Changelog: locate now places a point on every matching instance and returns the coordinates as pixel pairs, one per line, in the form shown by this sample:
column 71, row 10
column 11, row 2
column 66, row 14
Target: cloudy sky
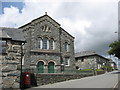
column 93, row 23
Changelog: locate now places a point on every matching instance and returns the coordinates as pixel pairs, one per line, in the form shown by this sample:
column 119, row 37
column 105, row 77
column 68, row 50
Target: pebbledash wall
column 10, row 58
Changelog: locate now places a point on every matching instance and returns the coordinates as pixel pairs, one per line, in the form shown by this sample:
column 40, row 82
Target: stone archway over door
column 51, row 67
column 40, row 67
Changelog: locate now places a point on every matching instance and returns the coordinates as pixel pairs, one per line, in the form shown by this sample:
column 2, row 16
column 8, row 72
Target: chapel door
column 40, row 67
column 51, row 67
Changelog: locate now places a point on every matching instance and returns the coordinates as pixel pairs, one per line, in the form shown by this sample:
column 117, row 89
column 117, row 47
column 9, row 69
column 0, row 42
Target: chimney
column 45, row 13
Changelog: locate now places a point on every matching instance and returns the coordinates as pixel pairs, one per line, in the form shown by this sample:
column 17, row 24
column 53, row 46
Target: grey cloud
column 97, row 37
column 104, row 24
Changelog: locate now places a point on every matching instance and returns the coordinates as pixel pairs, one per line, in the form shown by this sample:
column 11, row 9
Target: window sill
column 67, row 65
column 44, row 51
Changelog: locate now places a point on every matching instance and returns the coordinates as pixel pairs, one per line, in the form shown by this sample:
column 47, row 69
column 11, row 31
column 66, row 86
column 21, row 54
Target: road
column 107, row 80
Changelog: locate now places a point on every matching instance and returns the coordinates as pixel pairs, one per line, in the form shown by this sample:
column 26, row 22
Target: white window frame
column 66, row 46
column 67, row 61
column 47, row 43
column 53, row 46
column 39, row 42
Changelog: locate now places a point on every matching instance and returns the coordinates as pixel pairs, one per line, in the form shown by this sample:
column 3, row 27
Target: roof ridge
column 86, row 52
column 37, row 19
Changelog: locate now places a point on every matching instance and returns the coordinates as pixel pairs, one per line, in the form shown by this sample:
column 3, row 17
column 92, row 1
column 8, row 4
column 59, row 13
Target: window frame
column 52, row 44
column 3, row 46
column 45, row 43
column 82, row 60
column 66, row 46
column 39, row 43
column 67, row 61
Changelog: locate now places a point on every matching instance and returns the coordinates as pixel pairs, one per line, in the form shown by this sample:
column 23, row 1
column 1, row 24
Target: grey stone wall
column 65, row 37
column 87, row 63
column 43, row 79
column 91, row 62
column 10, row 66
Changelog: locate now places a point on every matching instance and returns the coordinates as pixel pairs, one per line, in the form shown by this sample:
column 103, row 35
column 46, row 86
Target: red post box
column 27, row 79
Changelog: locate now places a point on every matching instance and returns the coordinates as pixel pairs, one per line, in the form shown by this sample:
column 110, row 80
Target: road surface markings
column 115, row 86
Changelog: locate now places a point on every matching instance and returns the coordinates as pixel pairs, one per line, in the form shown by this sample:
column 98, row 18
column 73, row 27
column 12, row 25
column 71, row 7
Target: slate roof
column 11, row 33
column 85, row 53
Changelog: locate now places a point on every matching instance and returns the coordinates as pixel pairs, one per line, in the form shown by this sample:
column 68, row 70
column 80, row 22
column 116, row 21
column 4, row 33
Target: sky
column 93, row 23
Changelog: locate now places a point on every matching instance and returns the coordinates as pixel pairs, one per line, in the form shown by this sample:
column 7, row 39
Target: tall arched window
column 66, row 47
column 45, row 43
column 39, row 45
column 51, row 44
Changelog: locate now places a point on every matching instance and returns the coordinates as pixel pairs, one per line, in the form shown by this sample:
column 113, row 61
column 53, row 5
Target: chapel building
column 48, row 48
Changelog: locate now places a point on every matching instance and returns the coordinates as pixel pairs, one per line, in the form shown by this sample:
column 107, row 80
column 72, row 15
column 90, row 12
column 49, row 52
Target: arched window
column 45, row 28
column 51, row 44
column 39, row 45
column 45, row 43
column 66, row 46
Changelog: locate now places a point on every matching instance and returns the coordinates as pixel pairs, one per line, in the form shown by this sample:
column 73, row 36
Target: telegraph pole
column 118, row 29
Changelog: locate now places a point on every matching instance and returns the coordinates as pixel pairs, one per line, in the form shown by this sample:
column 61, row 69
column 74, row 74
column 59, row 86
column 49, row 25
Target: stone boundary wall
column 43, row 79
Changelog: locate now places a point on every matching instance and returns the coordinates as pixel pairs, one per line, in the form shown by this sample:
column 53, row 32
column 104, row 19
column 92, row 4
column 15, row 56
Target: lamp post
column 21, row 79
column 118, row 40
column 62, row 67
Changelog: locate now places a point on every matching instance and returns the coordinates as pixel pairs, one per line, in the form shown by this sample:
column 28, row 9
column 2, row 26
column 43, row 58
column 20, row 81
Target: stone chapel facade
column 48, row 48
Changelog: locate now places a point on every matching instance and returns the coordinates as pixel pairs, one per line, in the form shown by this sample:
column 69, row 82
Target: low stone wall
column 100, row 72
column 43, row 79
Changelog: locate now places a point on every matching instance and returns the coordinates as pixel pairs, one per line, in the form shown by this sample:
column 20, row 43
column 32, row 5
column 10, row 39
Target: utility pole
column 118, row 21
column 118, row 29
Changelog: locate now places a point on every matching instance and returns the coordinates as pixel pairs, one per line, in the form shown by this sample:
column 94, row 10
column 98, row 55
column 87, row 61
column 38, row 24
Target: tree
column 115, row 49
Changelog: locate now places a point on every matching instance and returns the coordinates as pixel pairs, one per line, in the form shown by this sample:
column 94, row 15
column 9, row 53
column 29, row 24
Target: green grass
column 86, row 70
column 99, row 70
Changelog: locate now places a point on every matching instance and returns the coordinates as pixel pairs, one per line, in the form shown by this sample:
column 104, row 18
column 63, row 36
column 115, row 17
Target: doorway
column 51, row 67
column 40, row 67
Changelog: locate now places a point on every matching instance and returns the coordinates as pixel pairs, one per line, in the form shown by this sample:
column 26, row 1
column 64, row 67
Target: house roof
column 11, row 33
column 85, row 53
column 88, row 53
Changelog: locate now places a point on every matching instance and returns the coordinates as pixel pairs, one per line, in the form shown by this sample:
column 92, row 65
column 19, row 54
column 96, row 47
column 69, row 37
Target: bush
column 107, row 68
column 85, row 71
